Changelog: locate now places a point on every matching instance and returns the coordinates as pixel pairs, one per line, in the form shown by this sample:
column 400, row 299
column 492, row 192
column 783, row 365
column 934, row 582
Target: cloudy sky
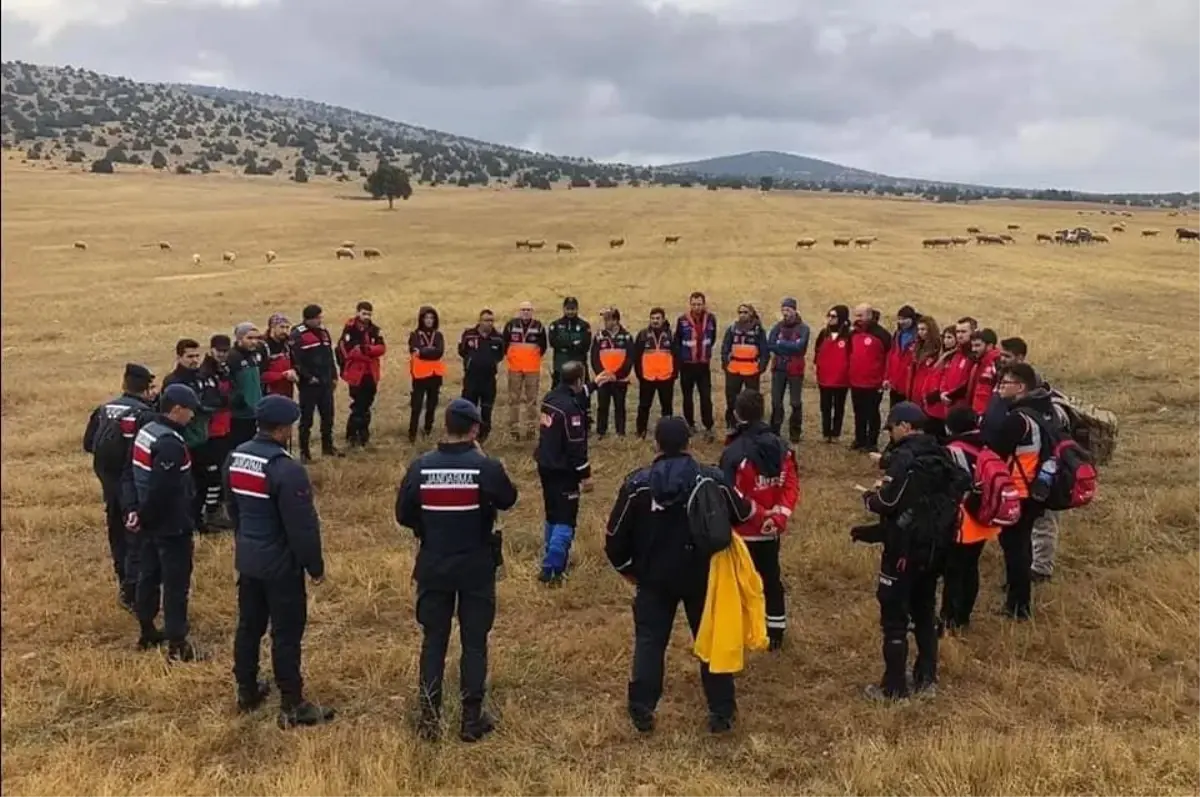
column 1088, row 94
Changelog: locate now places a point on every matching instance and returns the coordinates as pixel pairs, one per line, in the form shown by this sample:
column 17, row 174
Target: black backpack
column 708, row 517
column 110, row 446
column 934, row 516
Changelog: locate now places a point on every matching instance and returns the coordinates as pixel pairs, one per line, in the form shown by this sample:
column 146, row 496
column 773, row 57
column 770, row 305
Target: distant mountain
column 785, row 166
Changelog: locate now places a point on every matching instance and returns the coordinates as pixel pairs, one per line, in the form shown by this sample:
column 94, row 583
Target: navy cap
column 181, row 396
column 276, row 410
column 138, row 371
column 905, row 412
column 464, row 409
column 672, row 434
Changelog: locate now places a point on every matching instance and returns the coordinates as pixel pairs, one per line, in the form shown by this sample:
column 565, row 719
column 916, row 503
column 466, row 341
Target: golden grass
column 1098, row 695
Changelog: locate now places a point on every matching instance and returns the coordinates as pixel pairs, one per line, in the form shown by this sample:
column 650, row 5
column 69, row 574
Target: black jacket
column 563, row 435
column 162, row 479
column 649, row 539
column 757, row 443
column 277, row 532
column 312, row 355
column 481, row 354
column 449, row 498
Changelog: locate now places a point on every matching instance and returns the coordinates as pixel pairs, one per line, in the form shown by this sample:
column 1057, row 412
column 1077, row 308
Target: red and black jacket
column 762, row 468
column 278, row 363
column 869, row 348
column 221, row 421
column 359, row 350
column 312, row 355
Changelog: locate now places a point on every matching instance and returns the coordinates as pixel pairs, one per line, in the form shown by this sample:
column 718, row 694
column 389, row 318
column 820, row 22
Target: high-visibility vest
column 524, row 356
column 971, row 531
column 1027, row 458
column 658, row 364
column 743, row 359
column 613, row 359
column 423, row 369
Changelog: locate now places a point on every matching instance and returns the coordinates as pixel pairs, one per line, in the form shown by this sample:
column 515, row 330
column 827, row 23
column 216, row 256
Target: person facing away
column 108, row 437
column 649, row 543
column 316, row 365
column 695, row 341
column 831, row 359
column 762, row 468
column 449, row 497
column 277, row 541
column 482, row 350
column 570, row 337
column 427, row 348
column 360, row 351
column 612, row 353
column 788, row 343
column 165, row 523
column 917, row 502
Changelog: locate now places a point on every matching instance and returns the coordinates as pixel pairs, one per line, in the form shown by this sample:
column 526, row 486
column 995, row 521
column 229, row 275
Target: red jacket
column 956, row 377
column 899, row 365
column 278, row 363
column 983, row 381
column 868, row 356
column 831, row 358
column 359, row 350
column 762, row 467
column 926, row 383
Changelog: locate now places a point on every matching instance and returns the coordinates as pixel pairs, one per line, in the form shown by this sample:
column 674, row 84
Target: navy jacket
column 649, row 538
column 563, row 435
column 449, row 498
column 277, row 532
column 162, row 479
column 131, row 412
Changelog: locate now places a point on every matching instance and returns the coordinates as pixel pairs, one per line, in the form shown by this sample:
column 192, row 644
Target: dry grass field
column 1097, row 695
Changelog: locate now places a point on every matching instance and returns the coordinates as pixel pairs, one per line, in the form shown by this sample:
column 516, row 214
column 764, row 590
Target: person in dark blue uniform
column 109, row 438
column 449, row 498
column 563, row 467
column 165, row 523
column 277, row 540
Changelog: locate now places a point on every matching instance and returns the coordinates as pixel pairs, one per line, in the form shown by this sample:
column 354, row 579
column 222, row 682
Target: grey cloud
column 966, row 84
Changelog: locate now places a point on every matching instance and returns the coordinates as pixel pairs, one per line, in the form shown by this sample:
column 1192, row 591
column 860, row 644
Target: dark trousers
column 697, row 377
column 242, row 430
column 122, row 544
column 908, row 595
column 207, row 461
column 793, row 386
column 283, row 605
column 765, row 554
column 734, row 384
column 424, row 396
column 476, row 608
column 1017, row 543
column 164, row 580
column 866, row 402
column 960, row 586
column 318, row 398
column 612, row 394
column 482, row 393
column 653, row 618
column 833, row 410
column 560, row 501
column 646, row 392
column 358, row 422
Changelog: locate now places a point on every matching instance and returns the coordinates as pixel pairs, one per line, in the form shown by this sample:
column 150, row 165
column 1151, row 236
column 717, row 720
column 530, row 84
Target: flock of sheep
column 346, row 250
column 529, row 244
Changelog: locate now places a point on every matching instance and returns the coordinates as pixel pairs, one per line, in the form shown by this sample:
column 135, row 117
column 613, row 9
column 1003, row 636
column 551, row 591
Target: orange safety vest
column 423, row 369
column 743, row 359
column 972, row 531
column 524, row 356
column 612, row 360
column 1027, row 459
column 658, row 364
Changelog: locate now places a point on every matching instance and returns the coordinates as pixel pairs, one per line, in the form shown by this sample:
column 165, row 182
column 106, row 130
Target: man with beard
column 788, row 341
column 744, row 355
column 612, row 353
column 312, row 353
column 279, row 375
column 570, row 337
column 869, row 345
column 900, row 356
column 360, row 348
column 205, row 469
column 695, row 340
column 482, row 350
column 215, row 371
column 655, row 361
column 245, row 372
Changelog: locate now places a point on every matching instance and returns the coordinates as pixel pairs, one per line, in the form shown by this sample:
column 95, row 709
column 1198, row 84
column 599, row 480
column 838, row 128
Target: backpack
column 1066, row 475
column 1093, row 428
column 708, row 517
column 934, row 517
column 999, row 501
column 110, row 446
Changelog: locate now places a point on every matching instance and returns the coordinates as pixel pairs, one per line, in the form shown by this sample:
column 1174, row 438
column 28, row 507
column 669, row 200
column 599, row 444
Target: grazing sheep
column 164, row 246
column 865, row 241
column 229, row 257
column 1126, row 213
column 806, row 243
column 1014, row 226
column 1149, row 233
column 344, row 251
column 989, row 239
column 523, row 243
column 371, row 252
column 841, row 242
column 535, row 244
column 271, row 255
column 1184, row 234
column 1118, row 227
column 196, row 259
column 564, row 246
column 81, row 245
column 616, row 243
column 934, row 243
column 1099, row 237
column 671, row 239
column 959, row 240
column 347, row 244
column 974, row 230
column 1042, row 236
column 1008, row 239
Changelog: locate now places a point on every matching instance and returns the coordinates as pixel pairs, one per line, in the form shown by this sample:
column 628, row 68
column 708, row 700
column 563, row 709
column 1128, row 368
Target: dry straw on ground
column 1098, row 695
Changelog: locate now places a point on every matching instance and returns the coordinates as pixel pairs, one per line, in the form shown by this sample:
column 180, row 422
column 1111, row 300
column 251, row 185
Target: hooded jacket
column 762, row 468
column 359, row 351
column 831, row 352
column 905, row 488
column 278, row 362
column 648, row 537
column 427, row 347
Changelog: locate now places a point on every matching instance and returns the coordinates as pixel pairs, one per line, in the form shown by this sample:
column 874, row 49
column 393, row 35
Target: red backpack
column 999, row 501
column 1066, row 477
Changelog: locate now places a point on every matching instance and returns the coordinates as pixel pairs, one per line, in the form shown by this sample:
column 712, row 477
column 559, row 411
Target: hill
column 65, row 115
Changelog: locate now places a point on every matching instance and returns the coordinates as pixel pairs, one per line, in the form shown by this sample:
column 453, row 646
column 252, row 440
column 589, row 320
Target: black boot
column 641, row 717
column 328, row 450
column 125, row 597
column 720, row 723
column 250, row 698
column 304, row 713
column 774, row 638
column 305, row 448
column 151, row 638
column 476, row 724
column 183, row 651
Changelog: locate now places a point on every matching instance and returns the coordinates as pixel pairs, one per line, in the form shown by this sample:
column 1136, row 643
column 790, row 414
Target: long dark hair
column 931, row 346
column 843, row 323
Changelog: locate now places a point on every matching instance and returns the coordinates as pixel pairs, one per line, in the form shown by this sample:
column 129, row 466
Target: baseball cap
column 276, row 410
column 181, row 396
column 464, row 409
column 905, row 412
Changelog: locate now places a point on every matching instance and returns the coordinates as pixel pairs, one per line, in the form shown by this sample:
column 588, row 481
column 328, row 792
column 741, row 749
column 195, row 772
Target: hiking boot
column 475, row 728
column 774, row 639
column 184, row 652
column 642, row 719
column 251, row 698
column 719, row 723
column 330, row 451
column 150, row 639
column 306, row 714
column 125, row 600
column 877, row 694
column 925, row 688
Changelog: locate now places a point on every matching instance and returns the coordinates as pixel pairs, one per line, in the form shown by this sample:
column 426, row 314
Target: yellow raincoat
column 735, row 611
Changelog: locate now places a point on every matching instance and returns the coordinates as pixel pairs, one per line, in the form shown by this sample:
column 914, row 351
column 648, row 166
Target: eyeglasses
column 1008, row 383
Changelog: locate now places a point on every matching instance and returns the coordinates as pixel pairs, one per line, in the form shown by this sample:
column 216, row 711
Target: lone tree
column 102, row 166
column 159, row 161
column 388, row 181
